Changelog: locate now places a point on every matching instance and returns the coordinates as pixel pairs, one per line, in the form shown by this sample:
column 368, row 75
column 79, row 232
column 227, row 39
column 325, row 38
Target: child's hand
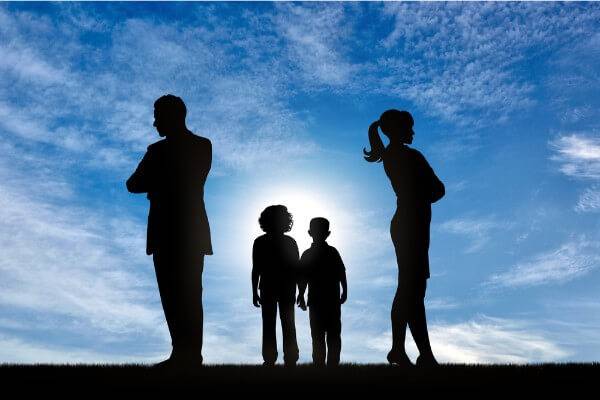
column 256, row 300
column 301, row 303
column 343, row 298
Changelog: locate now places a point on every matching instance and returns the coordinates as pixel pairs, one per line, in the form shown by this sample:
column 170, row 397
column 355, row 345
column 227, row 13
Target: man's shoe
column 164, row 364
column 399, row 359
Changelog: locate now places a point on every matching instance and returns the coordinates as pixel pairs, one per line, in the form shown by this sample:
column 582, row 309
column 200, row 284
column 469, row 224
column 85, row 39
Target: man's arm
column 206, row 159
column 437, row 188
column 344, row 288
column 139, row 181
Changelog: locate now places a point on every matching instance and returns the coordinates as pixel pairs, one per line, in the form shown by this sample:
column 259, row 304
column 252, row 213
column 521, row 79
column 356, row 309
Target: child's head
column 319, row 229
column 276, row 219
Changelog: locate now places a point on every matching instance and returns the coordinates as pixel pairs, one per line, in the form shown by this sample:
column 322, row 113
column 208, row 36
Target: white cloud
column 315, row 36
column 478, row 230
column 483, row 340
column 578, row 155
column 26, row 65
column 63, row 262
column 245, row 111
column 589, row 201
column 454, row 59
column 569, row 261
column 441, row 304
column 19, row 351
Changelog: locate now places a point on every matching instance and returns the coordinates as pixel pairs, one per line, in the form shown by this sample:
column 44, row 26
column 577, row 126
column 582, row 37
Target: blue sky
column 505, row 99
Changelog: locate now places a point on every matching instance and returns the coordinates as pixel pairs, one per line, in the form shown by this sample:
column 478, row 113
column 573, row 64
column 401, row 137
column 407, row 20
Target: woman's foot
column 427, row 361
column 399, row 358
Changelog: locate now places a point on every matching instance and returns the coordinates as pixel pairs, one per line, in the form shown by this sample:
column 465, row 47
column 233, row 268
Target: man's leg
column 334, row 335
column 288, row 330
column 269, row 339
column 317, row 333
column 192, row 314
column 167, row 290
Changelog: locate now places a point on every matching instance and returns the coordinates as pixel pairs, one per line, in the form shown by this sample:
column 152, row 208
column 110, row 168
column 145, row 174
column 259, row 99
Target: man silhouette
column 173, row 172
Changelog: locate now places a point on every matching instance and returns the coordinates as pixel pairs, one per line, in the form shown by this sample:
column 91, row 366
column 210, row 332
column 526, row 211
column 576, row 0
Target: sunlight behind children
column 303, row 205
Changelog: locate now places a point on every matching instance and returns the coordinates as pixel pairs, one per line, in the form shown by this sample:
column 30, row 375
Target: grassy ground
column 304, row 378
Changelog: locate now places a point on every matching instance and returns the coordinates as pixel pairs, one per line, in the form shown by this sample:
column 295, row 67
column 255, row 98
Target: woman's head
column 396, row 125
column 275, row 219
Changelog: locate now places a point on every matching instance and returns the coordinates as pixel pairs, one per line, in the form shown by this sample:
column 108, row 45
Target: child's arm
column 343, row 281
column 255, row 276
column 344, row 287
column 302, row 282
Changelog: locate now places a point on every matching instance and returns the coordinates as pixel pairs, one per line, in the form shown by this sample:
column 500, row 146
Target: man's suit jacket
column 173, row 172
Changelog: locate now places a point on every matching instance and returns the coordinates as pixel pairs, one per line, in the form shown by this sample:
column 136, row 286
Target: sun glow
column 304, row 205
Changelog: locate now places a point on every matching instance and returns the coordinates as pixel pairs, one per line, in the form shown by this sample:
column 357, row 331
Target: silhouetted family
column 173, row 173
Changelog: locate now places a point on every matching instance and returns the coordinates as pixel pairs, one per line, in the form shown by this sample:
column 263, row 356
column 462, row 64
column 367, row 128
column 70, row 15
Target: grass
column 347, row 377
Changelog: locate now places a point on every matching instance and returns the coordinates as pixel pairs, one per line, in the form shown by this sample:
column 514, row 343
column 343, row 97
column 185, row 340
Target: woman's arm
column 255, row 275
column 432, row 184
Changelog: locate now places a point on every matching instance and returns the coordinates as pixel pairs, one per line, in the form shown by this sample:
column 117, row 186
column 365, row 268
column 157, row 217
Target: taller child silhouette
column 172, row 173
column 416, row 187
column 274, row 280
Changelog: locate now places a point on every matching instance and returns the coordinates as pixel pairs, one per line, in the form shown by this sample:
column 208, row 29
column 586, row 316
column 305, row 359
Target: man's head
column 319, row 229
column 169, row 114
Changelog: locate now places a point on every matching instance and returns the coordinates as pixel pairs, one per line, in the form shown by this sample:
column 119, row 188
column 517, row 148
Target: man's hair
column 275, row 219
column 319, row 224
column 172, row 106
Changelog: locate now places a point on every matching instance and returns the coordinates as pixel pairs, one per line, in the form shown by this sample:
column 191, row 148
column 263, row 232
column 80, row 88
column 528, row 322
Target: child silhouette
column 274, row 270
column 322, row 270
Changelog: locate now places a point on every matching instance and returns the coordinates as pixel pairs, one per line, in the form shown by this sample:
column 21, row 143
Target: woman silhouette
column 416, row 187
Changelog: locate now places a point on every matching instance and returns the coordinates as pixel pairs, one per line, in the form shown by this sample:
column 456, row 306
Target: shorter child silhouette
column 322, row 270
column 274, row 273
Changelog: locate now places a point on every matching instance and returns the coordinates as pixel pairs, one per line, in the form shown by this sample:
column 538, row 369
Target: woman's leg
column 418, row 326
column 399, row 322
column 418, row 322
column 399, row 314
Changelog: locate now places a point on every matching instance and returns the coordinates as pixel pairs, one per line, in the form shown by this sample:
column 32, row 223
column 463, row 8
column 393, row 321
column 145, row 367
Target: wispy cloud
column 589, row 201
column 477, row 230
column 314, row 35
column 569, row 261
column 484, row 340
column 455, row 59
column 441, row 304
column 578, row 155
column 18, row 350
column 245, row 112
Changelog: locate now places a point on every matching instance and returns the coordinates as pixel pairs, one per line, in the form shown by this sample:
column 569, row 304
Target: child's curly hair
column 275, row 219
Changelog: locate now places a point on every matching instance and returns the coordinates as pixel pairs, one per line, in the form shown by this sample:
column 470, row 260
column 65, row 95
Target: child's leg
column 288, row 330
column 269, row 318
column 317, row 332
column 334, row 336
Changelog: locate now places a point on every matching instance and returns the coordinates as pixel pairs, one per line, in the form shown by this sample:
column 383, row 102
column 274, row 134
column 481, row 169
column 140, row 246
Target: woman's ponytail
column 377, row 146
